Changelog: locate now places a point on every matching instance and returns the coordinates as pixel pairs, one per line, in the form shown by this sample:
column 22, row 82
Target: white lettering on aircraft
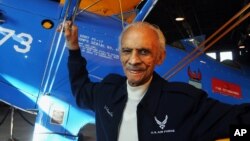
column 23, row 38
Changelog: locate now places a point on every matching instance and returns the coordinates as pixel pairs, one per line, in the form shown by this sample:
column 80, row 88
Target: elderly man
column 143, row 106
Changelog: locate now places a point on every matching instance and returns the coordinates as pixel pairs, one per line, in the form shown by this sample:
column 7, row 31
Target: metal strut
column 12, row 124
column 199, row 49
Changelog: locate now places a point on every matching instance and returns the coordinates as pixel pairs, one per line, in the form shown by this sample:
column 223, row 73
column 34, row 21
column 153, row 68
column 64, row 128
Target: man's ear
column 161, row 58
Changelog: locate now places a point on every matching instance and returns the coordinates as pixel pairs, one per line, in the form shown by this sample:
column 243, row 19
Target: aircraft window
column 226, row 55
column 231, row 63
column 211, row 54
column 178, row 45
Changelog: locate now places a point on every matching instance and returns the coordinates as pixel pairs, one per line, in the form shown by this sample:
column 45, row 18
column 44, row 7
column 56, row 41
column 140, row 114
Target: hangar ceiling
column 204, row 17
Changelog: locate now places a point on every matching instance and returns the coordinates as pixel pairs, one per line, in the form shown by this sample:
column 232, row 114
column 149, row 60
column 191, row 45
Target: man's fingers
column 64, row 26
column 59, row 28
column 68, row 24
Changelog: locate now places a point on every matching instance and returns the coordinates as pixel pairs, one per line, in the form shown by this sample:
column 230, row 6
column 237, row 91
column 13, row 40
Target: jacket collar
column 150, row 99
column 121, row 93
column 152, row 96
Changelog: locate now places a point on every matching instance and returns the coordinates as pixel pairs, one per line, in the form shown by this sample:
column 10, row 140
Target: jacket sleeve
column 213, row 118
column 81, row 86
column 216, row 117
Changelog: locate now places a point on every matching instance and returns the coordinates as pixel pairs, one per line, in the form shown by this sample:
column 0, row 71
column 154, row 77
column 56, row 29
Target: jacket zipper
column 119, row 125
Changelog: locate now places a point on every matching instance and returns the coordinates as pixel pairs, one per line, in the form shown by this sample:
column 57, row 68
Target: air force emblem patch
column 162, row 124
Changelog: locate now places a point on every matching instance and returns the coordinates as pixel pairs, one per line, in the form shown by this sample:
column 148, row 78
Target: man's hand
column 71, row 34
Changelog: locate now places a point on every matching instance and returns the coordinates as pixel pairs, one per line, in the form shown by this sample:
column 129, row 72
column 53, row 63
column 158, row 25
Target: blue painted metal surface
column 33, row 71
column 24, row 49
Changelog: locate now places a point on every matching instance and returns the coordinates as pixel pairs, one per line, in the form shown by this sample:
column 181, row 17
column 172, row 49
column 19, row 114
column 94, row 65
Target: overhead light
column 242, row 46
column 248, row 30
column 191, row 40
column 179, row 19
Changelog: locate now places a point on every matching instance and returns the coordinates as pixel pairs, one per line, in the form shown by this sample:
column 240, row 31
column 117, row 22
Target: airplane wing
column 107, row 7
column 134, row 10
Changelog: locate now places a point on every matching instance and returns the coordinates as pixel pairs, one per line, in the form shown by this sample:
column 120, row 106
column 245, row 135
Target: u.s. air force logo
column 162, row 125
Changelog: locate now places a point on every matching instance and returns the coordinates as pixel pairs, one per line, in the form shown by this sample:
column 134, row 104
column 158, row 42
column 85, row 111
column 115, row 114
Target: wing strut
column 50, row 72
column 120, row 4
column 200, row 48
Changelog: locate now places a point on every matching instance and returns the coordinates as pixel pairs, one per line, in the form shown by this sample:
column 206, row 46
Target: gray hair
column 161, row 37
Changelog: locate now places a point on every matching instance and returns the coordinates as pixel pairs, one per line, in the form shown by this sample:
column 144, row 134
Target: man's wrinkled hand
column 71, row 34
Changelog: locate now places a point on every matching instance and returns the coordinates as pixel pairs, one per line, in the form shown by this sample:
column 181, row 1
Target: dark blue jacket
column 167, row 112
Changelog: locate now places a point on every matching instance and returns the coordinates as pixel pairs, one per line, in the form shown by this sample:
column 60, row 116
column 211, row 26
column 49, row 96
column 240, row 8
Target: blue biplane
column 33, row 71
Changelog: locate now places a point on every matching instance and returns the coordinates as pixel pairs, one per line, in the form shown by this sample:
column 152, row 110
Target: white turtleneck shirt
column 128, row 128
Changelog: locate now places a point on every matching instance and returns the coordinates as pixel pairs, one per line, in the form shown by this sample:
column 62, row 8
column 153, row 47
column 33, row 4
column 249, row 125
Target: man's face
column 139, row 54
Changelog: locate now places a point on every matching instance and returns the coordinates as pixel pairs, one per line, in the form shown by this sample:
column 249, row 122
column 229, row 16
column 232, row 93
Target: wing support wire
column 50, row 73
column 120, row 5
column 97, row 1
column 216, row 36
column 53, row 63
column 88, row 7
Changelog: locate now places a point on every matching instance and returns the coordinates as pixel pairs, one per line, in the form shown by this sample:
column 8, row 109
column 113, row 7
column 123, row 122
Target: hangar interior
column 204, row 17
column 201, row 17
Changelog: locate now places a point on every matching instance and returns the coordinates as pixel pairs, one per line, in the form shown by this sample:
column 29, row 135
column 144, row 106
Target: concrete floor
column 22, row 130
